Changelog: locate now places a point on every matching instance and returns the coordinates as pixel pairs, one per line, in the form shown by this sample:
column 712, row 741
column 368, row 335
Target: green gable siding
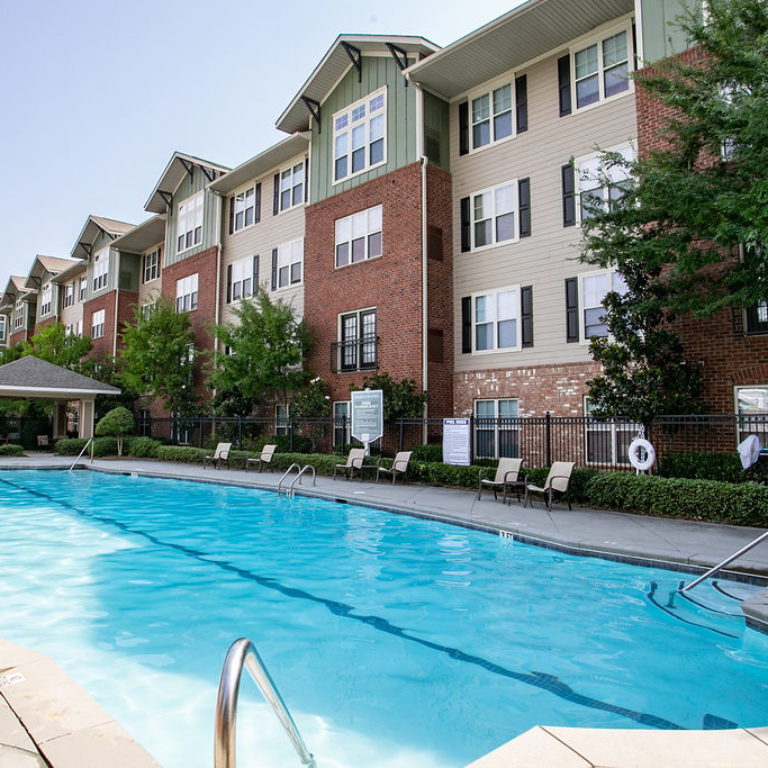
column 100, row 242
column 377, row 71
column 436, row 131
column 188, row 187
column 661, row 32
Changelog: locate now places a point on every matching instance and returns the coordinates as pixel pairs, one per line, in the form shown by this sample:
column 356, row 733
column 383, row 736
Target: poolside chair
column 267, row 452
column 220, row 455
column 43, row 441
column 399, row 466
column 507, row 478
column 354, row 462
column 558, row 479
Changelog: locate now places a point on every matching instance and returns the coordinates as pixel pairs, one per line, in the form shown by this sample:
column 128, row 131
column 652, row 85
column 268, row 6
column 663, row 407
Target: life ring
column 635, row 447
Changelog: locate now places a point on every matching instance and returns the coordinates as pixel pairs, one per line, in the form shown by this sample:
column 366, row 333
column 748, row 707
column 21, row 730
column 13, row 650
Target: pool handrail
column 243, row 653
column 730, row 559
column 298, row 477
column 80, row 455
column 286, row 473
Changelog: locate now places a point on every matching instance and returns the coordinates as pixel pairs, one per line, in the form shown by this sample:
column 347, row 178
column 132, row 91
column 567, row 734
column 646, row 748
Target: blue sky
column 95, row 95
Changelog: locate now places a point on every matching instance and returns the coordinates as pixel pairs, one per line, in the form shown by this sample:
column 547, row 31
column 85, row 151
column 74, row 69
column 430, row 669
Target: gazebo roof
column 32, row 378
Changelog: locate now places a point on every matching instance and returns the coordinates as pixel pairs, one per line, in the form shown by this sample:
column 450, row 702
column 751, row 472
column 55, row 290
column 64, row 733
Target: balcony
column 355, row 354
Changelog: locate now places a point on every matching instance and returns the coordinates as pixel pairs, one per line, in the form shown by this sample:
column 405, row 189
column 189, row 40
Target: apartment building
column 20, row 306
column 41, row 281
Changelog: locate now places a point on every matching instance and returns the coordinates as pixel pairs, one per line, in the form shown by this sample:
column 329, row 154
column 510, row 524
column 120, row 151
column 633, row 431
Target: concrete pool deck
column 676, row 543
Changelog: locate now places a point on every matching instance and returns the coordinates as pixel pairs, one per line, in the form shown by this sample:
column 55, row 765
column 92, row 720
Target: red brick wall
column 106, row 344
column 39, row 326
column 17, row 338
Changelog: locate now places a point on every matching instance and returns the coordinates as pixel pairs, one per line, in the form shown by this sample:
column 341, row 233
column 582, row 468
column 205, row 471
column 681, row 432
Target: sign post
column 457, row 441
column 367, row 416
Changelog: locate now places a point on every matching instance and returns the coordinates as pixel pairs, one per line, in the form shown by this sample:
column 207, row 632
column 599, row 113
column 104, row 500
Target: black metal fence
column 539, row 440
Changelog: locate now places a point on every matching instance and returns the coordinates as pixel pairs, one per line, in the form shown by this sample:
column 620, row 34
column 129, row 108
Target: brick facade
column 107, row 344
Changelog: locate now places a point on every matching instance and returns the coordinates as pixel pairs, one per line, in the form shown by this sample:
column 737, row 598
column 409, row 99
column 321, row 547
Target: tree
column 313, row 402
column 116, row 423
column 401, row 400
column 158, row 356
column 54, row 345
column 9, row 354
column 267, row 346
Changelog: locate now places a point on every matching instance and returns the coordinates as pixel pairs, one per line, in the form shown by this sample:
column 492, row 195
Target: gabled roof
column 523, row 34
column 335, row 63
column 251, row 169
column 143, row 236
column 45, row 264
column 94, row 225
column 178, row 166
column 70, row 273
column 14, row 287
column 30, row 377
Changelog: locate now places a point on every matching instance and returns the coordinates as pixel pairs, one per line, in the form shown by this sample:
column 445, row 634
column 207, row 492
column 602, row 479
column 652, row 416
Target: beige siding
column 73, row 314
column 549, row 256
column 149, row 292
column 259, row 239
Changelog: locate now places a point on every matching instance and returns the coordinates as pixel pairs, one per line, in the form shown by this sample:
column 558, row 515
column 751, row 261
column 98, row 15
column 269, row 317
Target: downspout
column 424, row 261
column 216, row 311
column 117, row 302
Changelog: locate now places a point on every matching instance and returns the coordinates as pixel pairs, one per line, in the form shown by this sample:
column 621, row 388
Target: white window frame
column 492, row 215
column 98, row 324
column 281, row 419
column 290, row 260
column 186, row 293
column 347, row 122
column 342, row 410
column 150, row 267
column 242, row 280
column 496, row 429
column 593, row 177
column 243, row 207
column 18, row 314
column 620, row 434
column 291, row 192
column 494, row 112
column 601, row 44
column 69, row 294
column 82, row 290
column 492, row 318
column 356, row 237
column 613, row 282
column 100, row 271
column 189, row 222
column 3, row 329
column 755, row 402
column 46, row 299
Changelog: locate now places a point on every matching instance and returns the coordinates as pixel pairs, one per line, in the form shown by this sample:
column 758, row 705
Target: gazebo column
column 59, row 420
column 86, row 418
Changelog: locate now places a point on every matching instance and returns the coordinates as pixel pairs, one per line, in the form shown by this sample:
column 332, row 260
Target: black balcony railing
column 360, row 354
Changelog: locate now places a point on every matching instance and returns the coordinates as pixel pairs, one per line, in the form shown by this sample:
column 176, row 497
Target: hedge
column 703, row 465
column 11, row 449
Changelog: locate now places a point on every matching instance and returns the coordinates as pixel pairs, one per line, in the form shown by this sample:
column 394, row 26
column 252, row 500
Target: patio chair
column 558, row 480
column 354, row 462
column 43, row 441
column 220, row 455
column 507, row 477
column 267, row 452
column 399, row 466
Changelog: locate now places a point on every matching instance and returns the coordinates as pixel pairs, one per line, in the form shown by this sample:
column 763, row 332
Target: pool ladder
column 301, row 471
column 242, row 653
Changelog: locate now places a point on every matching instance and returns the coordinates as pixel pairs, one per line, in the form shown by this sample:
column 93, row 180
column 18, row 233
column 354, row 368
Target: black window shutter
column 276, row 196
column 526, row 314
column 306, row 180
column 524, row 198
column 274, row 269
column 231, row 215
column 255, row 283
column 229, row 284
column 466, row 226
column 571, row 309
column 521, row 103
column 466, row 324
column 257, row 204
column 569, row 196
column 464, row 128
column 564, row 83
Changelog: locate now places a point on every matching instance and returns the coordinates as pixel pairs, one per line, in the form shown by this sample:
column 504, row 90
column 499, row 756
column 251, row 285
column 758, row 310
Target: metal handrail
column 298, row 477
column 713, row 571
column 85, row 448
column 286, row 473
column 242, row 653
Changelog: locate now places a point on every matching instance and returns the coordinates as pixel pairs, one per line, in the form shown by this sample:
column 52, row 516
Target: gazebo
column 30, row 378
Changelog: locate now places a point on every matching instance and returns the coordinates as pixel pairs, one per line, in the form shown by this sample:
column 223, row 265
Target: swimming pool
column 394, row 641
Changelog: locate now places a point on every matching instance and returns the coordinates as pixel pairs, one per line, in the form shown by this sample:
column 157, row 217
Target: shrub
column 11, row 449
column 142, row 447
column 70, row 446
column 181, row 453
column 712, row 466
column 427, row 452
column 116, row 423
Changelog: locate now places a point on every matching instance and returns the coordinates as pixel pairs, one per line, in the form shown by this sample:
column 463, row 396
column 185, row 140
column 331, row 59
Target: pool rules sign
column 367, row 415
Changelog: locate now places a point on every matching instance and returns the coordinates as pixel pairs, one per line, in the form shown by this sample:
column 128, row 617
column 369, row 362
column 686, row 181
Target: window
column 342, row 424
column 82, row 289
column 358, row 345
column 18, row 314
column 593, row 288
column 69, row 294
column 151, row 270
column 75, row 329
column 281, row 419
column 46, row 303
column 3, row 328
column 607, row 442
column 245, row 208
column 292, row 187
column 497, row 432
column 97, row 324
column 492, row 116
column 495, row 316
column 497, row 215
column 752, row 409
column 287, row 264
column 190, row 223
column 100, row 270
column 359, row 133
column 601, row 186
column 601, row 69
column 186, row 293
column 358, row 237
column 242, row 279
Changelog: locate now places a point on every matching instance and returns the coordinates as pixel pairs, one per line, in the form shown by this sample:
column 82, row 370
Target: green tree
column 9, row 354
column 401, row 400
column 116, row 423
column 157, row 356
column 267, row 346
column 54, row 345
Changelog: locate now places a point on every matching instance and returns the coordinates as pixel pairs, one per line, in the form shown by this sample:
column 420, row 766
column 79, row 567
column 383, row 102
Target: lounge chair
column 399, row 466
column 354, row 462
column 507, row 477
column 43, row 441
column 220, row 455
column 267, row 452
column 558, row 479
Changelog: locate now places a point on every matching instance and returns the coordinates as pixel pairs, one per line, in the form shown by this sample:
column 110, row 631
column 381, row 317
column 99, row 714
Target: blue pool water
column 394, row 641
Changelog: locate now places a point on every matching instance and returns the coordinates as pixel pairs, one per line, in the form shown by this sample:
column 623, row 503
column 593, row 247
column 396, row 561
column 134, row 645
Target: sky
column 96, row 95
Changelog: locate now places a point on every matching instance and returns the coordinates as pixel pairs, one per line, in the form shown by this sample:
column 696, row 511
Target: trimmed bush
column 181, row 453
column 427, row 452
column 141, row 447
column 725, row 467
column 116, row 423
column 10, row 449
